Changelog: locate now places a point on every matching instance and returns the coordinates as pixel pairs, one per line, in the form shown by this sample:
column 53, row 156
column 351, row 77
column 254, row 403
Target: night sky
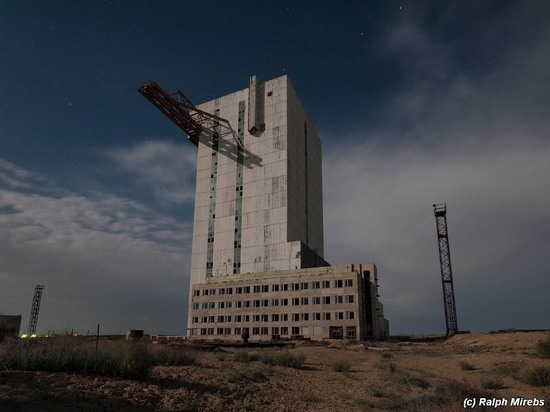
column 415, row 102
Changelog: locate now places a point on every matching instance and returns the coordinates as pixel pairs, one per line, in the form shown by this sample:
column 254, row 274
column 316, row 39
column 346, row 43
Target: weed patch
column 540, row 376
column 466, row 366
column 284, row 358
column 543, row 348
column 492, row 384
column 341, row 366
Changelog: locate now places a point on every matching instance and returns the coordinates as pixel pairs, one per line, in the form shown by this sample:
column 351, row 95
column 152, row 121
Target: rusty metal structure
column 35, row 309
column 186, row 116
column 440, row 213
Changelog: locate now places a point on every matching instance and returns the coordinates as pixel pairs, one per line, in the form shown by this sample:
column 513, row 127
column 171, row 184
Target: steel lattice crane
column 35, row 309
column 186, row 116
column 440, row 213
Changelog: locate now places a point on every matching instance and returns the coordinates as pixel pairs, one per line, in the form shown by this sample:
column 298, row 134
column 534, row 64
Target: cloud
column 478, row 142
column 166, row 169
column 103, row 258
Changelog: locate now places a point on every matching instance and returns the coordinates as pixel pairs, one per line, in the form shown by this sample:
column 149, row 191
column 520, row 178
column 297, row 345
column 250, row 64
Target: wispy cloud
column 480, row 144
column 166, row 169
column 103, row 258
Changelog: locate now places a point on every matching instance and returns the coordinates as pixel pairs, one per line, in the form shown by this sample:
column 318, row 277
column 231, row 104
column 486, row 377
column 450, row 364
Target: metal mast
column 440, row 213
column 35, row 308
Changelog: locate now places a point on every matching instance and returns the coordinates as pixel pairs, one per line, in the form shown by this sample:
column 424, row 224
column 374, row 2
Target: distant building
column 258, row 224
column 9, row 326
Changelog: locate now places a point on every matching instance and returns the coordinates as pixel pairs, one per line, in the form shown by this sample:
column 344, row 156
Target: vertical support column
column 239, row 194
column 440, row 213
column 212, row 203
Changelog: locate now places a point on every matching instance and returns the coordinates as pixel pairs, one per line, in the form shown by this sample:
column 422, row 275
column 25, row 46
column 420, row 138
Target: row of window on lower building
column 317, row 284
column 275, row 317
column 335, row 331
column 263, row 303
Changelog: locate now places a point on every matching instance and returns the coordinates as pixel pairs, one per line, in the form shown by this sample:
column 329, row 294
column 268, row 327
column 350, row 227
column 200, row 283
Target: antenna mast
column 440, row 213
column 35, row 309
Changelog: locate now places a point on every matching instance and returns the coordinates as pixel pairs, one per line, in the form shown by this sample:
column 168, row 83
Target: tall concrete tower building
column 257, row 266
column 258, row 208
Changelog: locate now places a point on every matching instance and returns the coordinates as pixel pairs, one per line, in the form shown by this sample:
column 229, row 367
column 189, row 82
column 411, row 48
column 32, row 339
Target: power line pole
column 440, row 213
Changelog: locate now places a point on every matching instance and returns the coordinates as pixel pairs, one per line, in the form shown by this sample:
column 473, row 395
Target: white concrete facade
column 259, row 222
column 316, row 303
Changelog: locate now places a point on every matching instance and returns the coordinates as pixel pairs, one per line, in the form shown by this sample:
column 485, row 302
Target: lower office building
column 336, row 302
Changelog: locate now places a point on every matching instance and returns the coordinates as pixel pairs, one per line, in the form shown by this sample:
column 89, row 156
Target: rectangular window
column 316, row 285
column 284, row 330
column 349, row 282
column 228, row 318
column 317, row 316
column 265, row 288
column 246, row 303
column 350, row 315
column 247, row 289
column 238, row 318
column 211, row 319
column 229, row 291
column 256, row 318
column 265, row 318
column 304, row 316
column 285, row 317
column 227, row 331
column 284, row 286
column 303, row 286
column 274, row 288
column 221, row 291
column 275, row 330
column 274, row 302
column 257, row 289
column 295, row 330
column 326, row 300
column 220, row 319
column 284, row 302
column 349, row 298
column 210, row 331
column 239, row 291
column 295, row 301
column 275, row 317
column 265, row 331
column 304, row 301
column 338, row 299
column 237, row 331
column 326, row 315
column 255, row 331
column 228, row 305
column 265, row 303
column 239, row 304
column 326, row 284
column 338, row 283
column 317, row 300
column 211, row 305
column 339, row 315
column 247, row 318
column 295, row 286
column 203, row 331
column 256, row 303
column 295, row 317
column 221, row 305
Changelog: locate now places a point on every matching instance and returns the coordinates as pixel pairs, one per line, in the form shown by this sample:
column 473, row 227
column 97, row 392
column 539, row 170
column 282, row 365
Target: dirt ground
column 372, row 376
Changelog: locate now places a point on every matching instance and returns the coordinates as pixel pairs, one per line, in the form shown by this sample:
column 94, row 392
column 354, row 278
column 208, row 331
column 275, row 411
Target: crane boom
column 185, row 115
